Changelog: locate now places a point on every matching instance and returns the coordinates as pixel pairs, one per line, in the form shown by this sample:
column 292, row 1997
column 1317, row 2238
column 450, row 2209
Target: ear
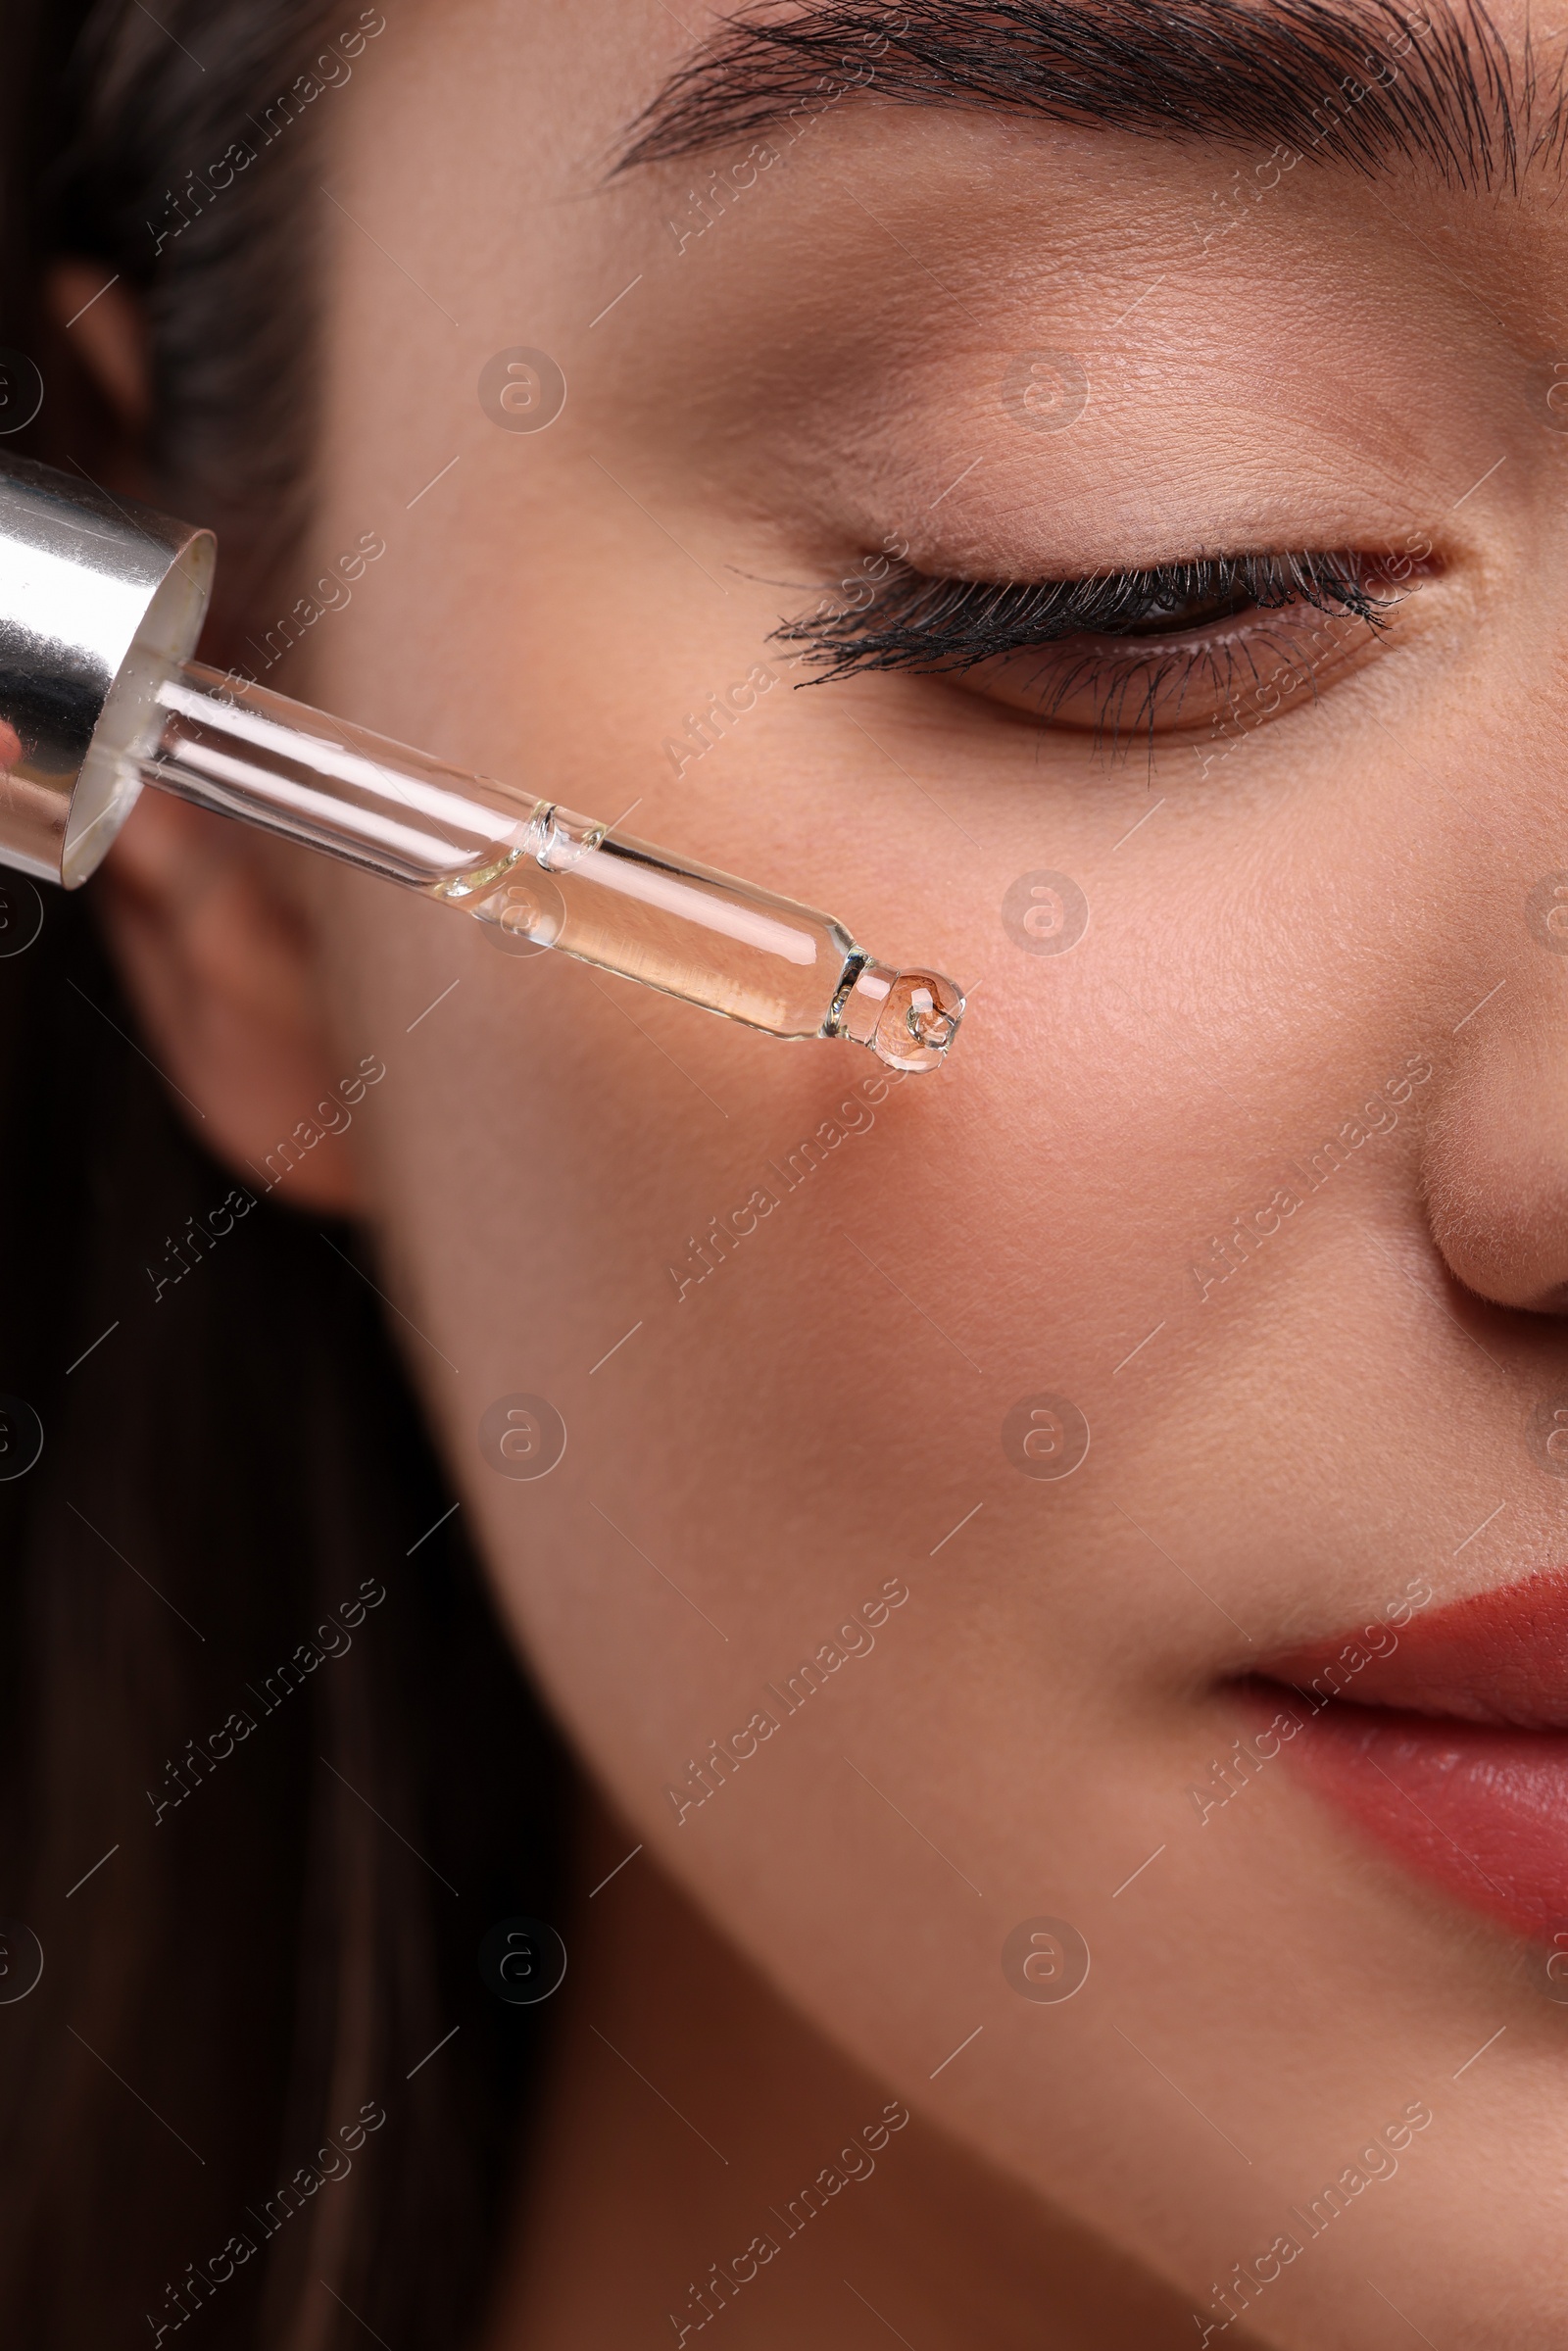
column 212, row 953
column 218, row 962
column 106, row 330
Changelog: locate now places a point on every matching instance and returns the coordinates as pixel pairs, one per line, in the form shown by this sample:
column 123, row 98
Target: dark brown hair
column 267, row 1773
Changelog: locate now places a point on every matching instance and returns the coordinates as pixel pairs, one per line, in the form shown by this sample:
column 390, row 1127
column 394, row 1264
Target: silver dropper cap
column 99, row 596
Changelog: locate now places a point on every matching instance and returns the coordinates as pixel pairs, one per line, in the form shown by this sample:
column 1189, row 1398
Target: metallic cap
column 99, row 597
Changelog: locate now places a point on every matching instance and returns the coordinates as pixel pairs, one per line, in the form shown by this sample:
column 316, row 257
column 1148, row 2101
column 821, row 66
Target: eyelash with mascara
column 1135, row 649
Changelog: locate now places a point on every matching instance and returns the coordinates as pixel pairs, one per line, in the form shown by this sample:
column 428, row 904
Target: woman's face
column 1249, row 1168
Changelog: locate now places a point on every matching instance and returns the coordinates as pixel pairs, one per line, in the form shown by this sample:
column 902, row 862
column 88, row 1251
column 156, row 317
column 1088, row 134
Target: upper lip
column 1498, row 1656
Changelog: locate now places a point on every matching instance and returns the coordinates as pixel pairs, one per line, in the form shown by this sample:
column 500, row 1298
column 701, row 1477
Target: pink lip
column 1446, row 1741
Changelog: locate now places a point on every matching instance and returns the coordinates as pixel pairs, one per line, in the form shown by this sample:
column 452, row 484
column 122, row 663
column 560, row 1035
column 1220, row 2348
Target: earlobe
column 217, row 965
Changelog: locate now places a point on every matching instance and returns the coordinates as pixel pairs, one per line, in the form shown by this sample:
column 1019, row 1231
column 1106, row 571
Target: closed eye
column 1168, row 647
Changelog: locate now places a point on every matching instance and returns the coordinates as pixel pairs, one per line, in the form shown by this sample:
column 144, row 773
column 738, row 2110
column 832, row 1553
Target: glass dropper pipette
column 100, row 607
column 541, row 873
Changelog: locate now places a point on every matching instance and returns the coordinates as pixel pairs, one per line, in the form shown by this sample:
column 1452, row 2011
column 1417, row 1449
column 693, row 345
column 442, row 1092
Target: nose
column 1496, row 1149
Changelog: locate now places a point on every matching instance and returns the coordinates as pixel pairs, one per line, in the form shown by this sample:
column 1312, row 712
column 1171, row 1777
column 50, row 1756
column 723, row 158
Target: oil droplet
column 918, row 1021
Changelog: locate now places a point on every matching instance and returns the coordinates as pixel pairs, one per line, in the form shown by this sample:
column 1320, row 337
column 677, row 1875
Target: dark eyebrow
column 1365, row 83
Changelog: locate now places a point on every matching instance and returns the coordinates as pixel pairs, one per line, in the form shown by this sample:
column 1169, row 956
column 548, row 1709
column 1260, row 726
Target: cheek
column 746, row 1459
column 754, row 1414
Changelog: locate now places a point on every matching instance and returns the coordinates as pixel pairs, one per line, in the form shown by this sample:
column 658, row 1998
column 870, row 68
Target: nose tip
column 1495, row 1167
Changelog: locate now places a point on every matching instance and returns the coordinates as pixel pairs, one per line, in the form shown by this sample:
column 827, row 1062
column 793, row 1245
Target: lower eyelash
column 1130, row 696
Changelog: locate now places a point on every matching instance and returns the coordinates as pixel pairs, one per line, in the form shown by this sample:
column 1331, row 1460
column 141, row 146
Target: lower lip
column 1481, row 1812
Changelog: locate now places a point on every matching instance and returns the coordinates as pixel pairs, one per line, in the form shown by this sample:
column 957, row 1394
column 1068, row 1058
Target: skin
column 1340, row 896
